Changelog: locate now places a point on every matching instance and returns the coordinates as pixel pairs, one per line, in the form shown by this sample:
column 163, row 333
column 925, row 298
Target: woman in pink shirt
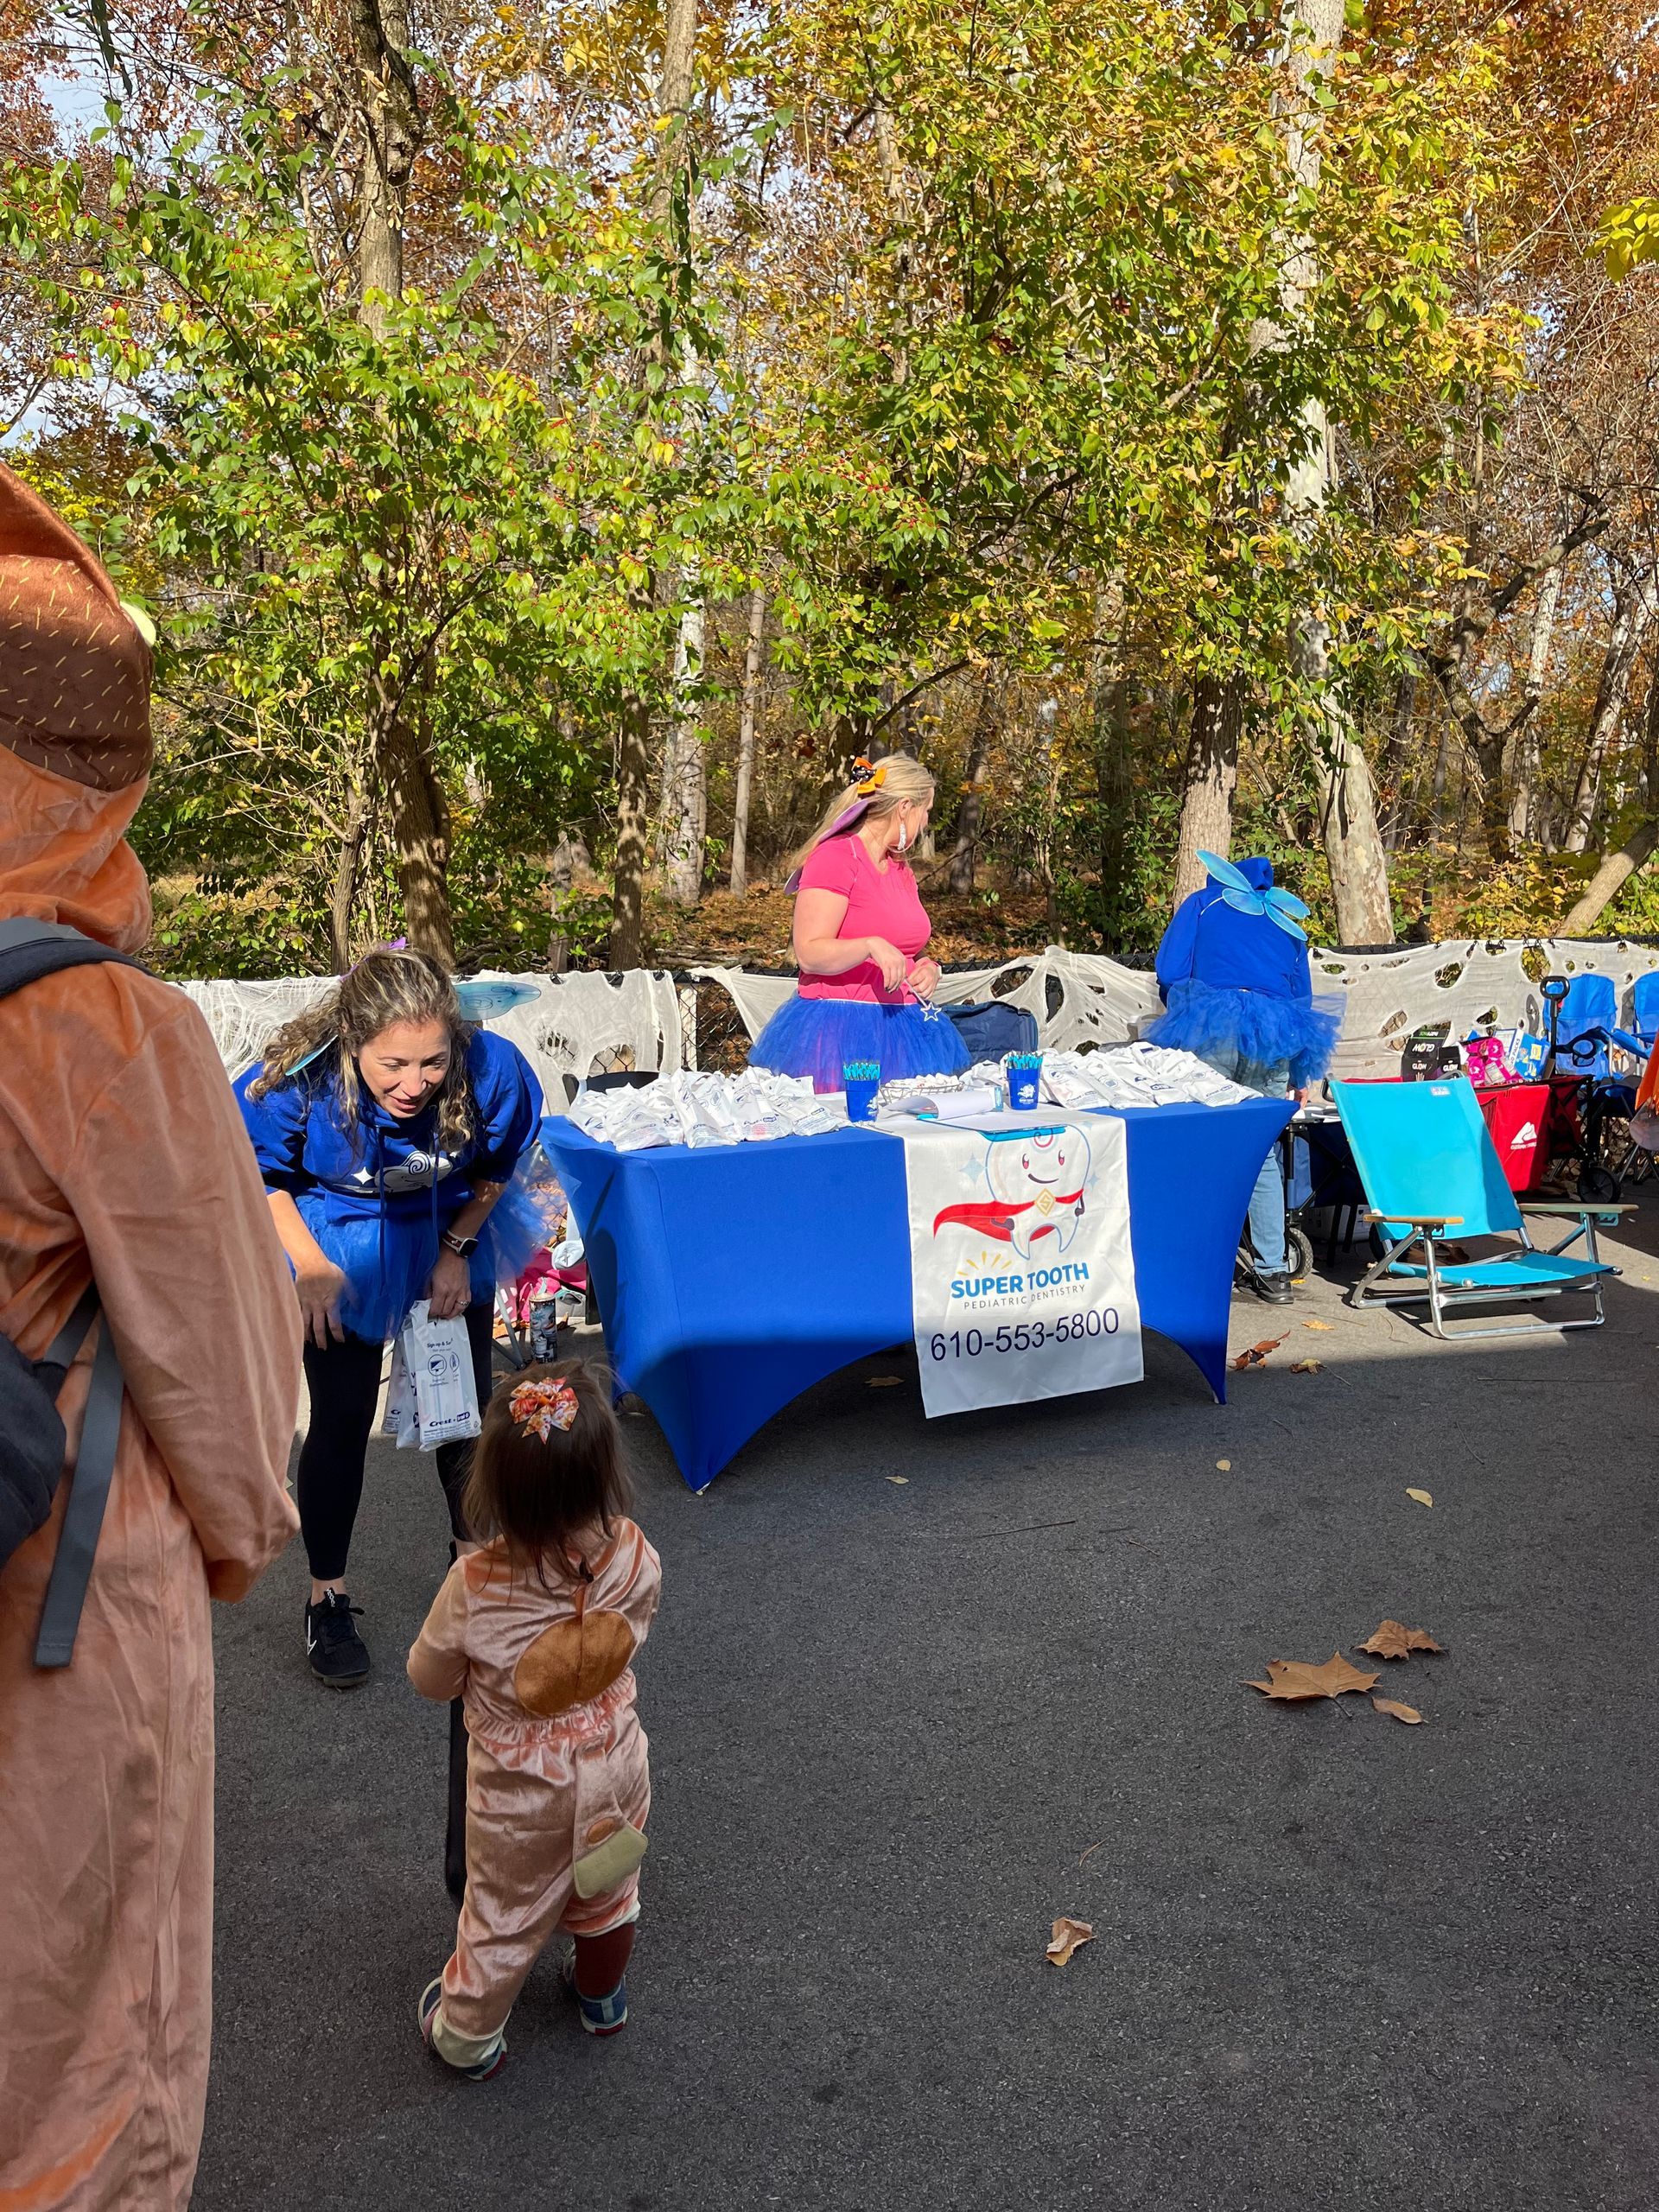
column 859, row 932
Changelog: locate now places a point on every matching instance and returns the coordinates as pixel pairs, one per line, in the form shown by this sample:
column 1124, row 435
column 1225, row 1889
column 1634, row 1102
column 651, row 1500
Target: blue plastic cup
column 1024, row 1080
column 862, row 1079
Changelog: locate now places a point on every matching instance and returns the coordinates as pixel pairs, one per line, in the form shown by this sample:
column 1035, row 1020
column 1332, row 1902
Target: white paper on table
column 1022, row 1273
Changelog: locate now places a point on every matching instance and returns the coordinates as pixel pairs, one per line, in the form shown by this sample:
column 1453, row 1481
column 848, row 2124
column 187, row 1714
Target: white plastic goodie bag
column 433, row 1399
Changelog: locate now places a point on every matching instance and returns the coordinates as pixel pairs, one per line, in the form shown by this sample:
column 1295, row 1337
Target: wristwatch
column 462, row 1246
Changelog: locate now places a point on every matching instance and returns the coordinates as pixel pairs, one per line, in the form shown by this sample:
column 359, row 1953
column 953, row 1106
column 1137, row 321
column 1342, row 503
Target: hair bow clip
column 869, row 778
column 1281, row 907
column 541, row 1407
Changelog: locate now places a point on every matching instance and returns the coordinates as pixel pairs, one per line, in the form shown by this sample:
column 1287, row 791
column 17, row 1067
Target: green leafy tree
column 399, row 566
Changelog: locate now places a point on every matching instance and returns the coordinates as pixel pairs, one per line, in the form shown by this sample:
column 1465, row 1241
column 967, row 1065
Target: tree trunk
column 1650, row 743
column 343, row 900
column 391, row 134
column 633, row 736
column 754, row 652
column 1108, row 705
column 971, row 814
column 1523, row 774
column 1610, row 878
column 1399, row 752
column 685, row 780
column 420, row 831
column 1048, row 715
column 1353, row 844
column 1633, row 610
column 673, row 101
column 632, row 806
column 1437, row 782
column 390, row 117
column 1211, row 779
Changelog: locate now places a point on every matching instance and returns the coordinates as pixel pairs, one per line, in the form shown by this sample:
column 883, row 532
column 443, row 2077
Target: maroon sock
column 602, row 1961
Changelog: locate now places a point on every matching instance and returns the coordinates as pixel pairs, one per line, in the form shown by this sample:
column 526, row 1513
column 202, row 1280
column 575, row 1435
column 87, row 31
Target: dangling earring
column 904, row 836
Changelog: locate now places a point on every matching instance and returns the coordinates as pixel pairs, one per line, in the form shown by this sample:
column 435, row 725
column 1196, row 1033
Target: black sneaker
column 338, row 1654
column 1274, row 1290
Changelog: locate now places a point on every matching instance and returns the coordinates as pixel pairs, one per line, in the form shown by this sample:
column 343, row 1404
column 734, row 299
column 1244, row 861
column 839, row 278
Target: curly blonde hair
column 898, row 780
column 386, row 986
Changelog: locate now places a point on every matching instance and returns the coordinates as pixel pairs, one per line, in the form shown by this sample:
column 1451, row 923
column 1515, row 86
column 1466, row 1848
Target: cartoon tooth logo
column 1038, row 1179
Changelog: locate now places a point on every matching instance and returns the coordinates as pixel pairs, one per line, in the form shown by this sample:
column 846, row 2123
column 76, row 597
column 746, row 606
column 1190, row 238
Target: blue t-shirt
column 301, row 1147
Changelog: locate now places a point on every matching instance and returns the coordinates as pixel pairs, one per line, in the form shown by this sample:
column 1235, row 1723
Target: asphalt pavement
column 916, row 1689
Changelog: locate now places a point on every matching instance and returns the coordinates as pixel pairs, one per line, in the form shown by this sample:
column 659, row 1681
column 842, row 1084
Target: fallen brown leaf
column 1068, row 1936
column 1394, row 1640
column 1319, row 1325
column 1422, row 1496
column 1395, row 1711
column 1257, row 1354
column 1291, row 1680
column 896, row 1479
column 1308, row 1367
column 885, row 1382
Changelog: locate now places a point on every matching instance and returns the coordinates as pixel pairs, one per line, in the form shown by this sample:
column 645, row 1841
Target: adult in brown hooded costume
column 123, row 1160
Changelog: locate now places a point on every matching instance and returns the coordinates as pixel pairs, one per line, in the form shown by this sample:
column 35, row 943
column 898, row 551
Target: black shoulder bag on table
column 31, row 1437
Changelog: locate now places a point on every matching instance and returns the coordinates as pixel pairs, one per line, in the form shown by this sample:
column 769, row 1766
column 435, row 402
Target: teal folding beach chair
column 1434, row 1179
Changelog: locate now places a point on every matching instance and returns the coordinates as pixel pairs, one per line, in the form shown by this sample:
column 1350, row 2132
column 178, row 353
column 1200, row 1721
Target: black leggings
column 345, row 1383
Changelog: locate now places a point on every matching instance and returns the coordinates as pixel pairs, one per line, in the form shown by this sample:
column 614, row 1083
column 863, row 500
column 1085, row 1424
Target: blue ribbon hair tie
column 1281, row 907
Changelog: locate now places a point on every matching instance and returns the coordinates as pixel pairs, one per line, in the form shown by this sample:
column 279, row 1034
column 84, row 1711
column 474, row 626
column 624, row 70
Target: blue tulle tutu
column 817, row 1037
column 1271, row 1031
column 387, row 1257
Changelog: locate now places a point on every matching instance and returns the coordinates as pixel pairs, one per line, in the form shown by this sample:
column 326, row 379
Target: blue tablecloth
column 730, row 1279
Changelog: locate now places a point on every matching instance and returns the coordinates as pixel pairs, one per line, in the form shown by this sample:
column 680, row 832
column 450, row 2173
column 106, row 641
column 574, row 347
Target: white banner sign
column 1022, row 1278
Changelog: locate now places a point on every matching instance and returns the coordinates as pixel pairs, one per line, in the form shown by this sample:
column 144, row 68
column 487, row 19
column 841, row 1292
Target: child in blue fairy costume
column 388, row 1129
column 1233, row 973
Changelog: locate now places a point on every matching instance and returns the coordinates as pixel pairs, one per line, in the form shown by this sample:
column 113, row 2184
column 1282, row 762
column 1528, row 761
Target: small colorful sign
column 1022, row 1273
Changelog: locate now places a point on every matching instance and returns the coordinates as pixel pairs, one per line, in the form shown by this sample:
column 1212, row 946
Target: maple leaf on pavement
column 1291, row 1680
column 1394, row 1640
column 1257, row 1354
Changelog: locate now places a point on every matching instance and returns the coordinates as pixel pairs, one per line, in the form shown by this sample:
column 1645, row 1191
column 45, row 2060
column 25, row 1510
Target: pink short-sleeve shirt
column 879, row 904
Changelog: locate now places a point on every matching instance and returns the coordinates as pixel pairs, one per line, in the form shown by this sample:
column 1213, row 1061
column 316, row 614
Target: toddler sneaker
column 600, row 2016
column 491, row 2061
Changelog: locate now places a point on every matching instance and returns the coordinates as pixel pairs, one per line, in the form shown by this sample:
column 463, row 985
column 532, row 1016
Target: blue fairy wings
column 1281, row 907
column 482, row 999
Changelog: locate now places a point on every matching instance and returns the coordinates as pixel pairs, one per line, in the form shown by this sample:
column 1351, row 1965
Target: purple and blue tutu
column 818, row 1037
column 387, row 1255
column 1268, row 1031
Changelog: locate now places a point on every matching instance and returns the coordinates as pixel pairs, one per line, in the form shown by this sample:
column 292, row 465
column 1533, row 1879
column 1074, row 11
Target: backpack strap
column 89, row 1491
column 29, row 950
column 60, row 1352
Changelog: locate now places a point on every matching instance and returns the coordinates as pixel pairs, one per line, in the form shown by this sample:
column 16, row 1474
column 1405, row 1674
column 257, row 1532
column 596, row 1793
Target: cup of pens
column 1025, row 1079
column 862, row 1080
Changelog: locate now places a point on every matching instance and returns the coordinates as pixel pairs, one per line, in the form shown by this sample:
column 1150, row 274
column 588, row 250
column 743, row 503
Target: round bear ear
column 572, row 1662
column 74, row 663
